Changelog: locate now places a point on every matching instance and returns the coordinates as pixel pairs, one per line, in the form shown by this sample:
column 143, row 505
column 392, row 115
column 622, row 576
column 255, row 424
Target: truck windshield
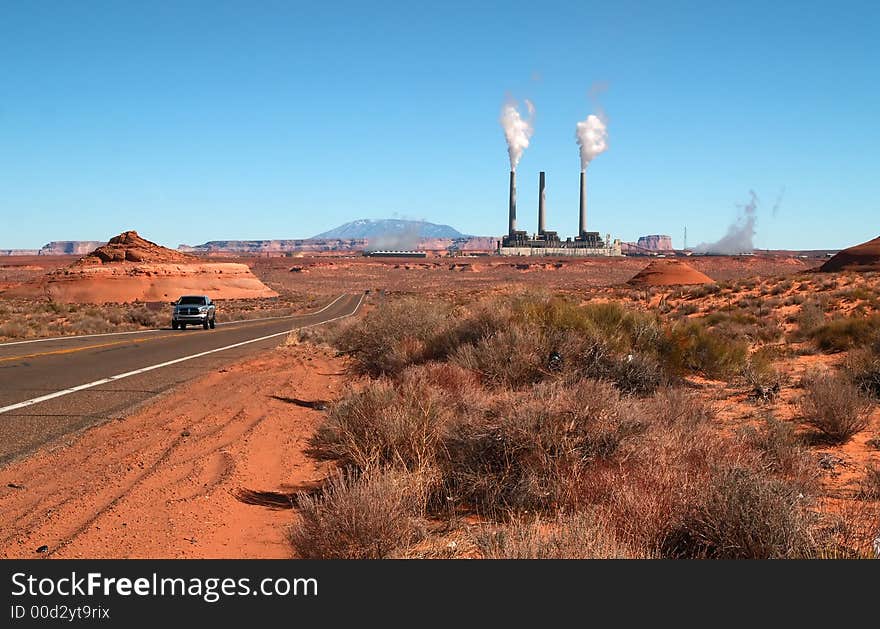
column 191, row 301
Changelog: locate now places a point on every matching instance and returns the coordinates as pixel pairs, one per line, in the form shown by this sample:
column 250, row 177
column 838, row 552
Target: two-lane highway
column 52, row 387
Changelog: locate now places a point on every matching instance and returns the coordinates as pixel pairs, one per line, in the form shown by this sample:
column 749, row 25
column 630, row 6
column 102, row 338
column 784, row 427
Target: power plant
column 548, row 243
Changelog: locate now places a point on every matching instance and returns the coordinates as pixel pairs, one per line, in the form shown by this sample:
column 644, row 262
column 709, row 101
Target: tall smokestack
column 583, row 206
column 512, row 218
column 541, row 210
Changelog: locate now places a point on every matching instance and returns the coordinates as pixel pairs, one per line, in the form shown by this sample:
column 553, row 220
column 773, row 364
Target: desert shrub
column 13, row 329
column 515, row 357
column 871, row 483
column 383, row 425
column 781, row 287
column 569, row 536
column 742, row 515
column 677, row 407
column 92, row 324
column 687, row 308
column 842, row 334
column 835, row 407
column 810, row 317
column 694, row 347
column 647, row 490
column 365, row 517
column 782, row 450
column 862, row 366
column 761, row 377
column 392, row 336
column 529, row 449
column 142, row 316
column 637, row 374
column 469, row 329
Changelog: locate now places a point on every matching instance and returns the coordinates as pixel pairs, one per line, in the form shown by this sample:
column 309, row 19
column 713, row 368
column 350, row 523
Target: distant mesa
column 669, row 273
column 263, row 247
column 57, row 248
column 863, row 257
column 647, row 245
column 655, row 242
column 69, row 247
column 130, row 268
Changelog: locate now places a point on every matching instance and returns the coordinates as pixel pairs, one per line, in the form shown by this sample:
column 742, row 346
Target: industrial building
column 548, row 243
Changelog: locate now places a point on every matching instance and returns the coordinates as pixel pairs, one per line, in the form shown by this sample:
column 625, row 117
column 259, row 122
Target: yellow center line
column 113, row 343
column 82, row 349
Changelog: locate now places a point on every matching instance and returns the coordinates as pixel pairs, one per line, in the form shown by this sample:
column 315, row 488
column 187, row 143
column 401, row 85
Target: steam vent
column 548, row 243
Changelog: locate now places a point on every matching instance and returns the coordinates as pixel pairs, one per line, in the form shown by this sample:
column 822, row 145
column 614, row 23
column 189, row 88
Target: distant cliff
column 70, row 247
column 655, row 242
column 276, row 246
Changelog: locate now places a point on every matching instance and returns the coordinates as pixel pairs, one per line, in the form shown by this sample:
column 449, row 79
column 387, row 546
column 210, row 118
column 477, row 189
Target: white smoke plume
column 592, row 137
column 517, row 130
column 740, row 235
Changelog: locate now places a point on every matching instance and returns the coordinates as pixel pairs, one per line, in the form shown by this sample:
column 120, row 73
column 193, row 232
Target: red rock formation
column 655, row 242
column 129, row 247
column 669, row 273
column 863, row 257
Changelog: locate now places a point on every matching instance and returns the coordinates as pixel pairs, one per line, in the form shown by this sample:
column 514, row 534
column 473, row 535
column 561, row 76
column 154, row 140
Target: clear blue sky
column 194, row 121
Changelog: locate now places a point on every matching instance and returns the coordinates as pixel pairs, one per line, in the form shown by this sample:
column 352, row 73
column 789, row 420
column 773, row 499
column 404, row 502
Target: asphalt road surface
column 51, row 388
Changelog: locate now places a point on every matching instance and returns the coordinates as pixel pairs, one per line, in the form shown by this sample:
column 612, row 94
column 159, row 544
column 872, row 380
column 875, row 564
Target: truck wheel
column 182, row 326
column 174, row 325
column 205, row 324
column 213, row 323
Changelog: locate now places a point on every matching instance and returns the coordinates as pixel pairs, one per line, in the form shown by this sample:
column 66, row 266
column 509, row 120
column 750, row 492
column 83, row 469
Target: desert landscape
column 477, row 407
column 578, row 281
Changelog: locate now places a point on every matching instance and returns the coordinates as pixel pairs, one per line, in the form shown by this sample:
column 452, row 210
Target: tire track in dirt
column 161, row 482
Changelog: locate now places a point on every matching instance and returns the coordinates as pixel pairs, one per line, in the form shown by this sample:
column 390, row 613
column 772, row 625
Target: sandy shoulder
column 163, row 481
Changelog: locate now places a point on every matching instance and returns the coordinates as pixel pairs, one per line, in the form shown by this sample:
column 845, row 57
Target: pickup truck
column 193, row 309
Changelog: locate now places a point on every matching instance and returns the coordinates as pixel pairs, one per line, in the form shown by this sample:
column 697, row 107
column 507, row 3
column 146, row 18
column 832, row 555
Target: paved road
column 52, row 388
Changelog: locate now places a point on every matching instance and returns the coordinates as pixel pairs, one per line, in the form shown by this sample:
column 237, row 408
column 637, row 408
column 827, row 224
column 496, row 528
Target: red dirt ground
column 163, row 483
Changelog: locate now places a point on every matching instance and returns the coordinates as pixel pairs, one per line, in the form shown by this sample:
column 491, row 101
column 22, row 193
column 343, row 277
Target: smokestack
column 512, row 219
column 541, row 209
column 583, row 206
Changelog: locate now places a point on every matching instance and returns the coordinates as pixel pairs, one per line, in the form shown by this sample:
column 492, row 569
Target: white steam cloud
column 517, row 130
column 592, row 137
column 740, row 235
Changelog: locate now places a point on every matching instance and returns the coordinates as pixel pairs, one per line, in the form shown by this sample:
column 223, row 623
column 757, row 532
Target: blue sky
column 195, row 121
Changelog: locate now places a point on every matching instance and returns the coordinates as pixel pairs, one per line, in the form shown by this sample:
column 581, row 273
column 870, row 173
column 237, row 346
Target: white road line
column 86, row 336
column 96, row 383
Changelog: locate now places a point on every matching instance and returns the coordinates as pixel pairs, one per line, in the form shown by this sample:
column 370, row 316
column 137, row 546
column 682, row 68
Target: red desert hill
column 669, row 273
column 863, row 257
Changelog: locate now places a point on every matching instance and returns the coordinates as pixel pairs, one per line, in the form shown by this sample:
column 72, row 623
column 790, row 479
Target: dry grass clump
column 783, row 452
column 845, row 333
column 359, row 517
column 677, row 407
column 835, row 407
column 742, row 514
column 696, row 348
column 871, row 485
column 862, row 367
column 530, row 450
column 393, row 336
column 582, row 535
column 384, row 424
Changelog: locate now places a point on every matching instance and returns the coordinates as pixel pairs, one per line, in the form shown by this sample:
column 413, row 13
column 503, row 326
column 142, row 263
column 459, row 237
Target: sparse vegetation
column 565, row 428
column 359, row 517
column 834, row 407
